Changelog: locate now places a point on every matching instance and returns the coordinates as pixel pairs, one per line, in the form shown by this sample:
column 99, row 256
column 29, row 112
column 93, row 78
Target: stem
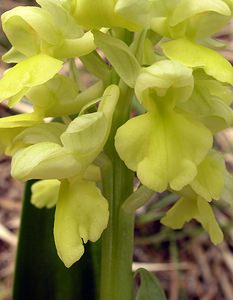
column 122, row 187
column 117, row 277
column 106, row 168
column 124, row 259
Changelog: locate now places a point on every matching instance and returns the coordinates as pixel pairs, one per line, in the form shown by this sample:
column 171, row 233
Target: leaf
column 120, row 56
column 197, row 56
column 39, row 273
column 150, row 288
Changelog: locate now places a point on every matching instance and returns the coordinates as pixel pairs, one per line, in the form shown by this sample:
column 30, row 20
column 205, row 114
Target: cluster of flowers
column 185, row 91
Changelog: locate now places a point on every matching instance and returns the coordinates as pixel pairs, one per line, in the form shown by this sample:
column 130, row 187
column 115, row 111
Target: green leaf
column 27, row 74
column 150, row 288
column 39, row 273
column 120, row 56
column 197, row 56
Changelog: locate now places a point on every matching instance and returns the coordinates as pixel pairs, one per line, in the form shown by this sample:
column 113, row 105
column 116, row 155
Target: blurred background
column 185, row 261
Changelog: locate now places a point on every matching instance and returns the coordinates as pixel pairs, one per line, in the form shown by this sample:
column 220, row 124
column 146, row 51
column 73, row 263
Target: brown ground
column 189, row 266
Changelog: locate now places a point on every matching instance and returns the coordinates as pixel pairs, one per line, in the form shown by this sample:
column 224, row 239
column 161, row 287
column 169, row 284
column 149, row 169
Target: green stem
column 106, row 168
column 122, row 187
column 124, row 276
column 116, row 270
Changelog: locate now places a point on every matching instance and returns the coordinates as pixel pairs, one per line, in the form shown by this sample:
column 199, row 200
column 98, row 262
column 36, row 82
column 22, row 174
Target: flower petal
column 81, row 215
column 163, row 77
column 164, row 147
column 60, row 96
column 44, row 161
column 27, row 74
column 26, row 27
column 45, row 193
column 11, row 126
column 45, row 132
column 210, row 103
column 94, row 15
column 209, row 182
column 197, row 56
column 87, row 134
column 187, row 209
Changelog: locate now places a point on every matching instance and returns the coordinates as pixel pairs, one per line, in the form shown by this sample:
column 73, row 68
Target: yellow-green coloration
column 197, row 56
column 79, row 145
column 209, row 181
column 50, row 30
column 11, row 126
column 187, row 18
column 45, row 193
column 95, row 15
column 210, row 102
column 170, row 143
column 29, row 73
column 165, row 78
column 60, row 96
column 44, row 132
column 81, row 215
column 197, row 208
column 169, row 147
